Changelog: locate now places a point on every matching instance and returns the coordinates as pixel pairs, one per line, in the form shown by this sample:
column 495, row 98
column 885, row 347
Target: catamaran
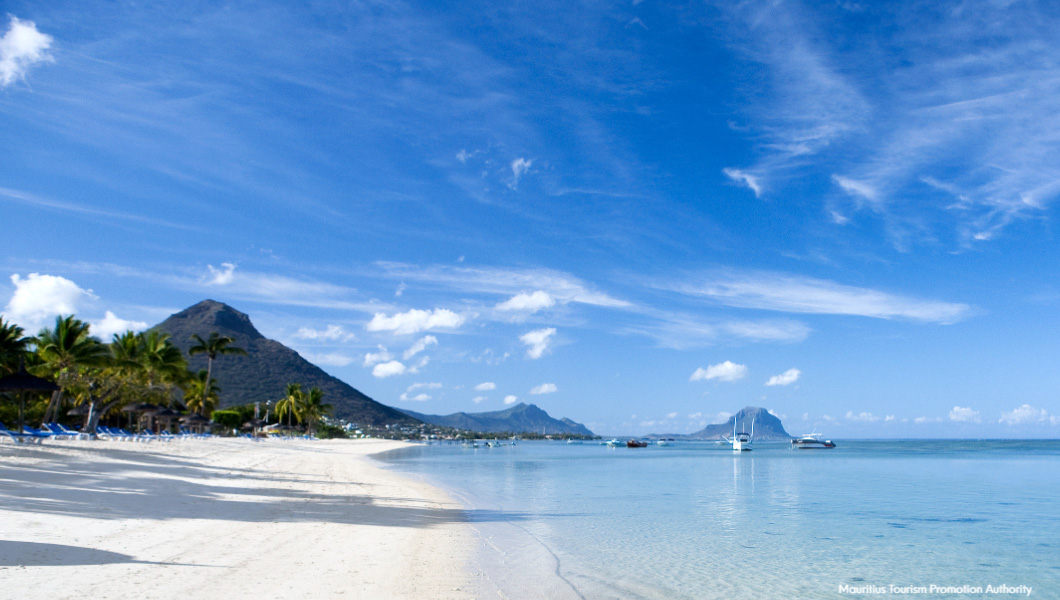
column 741, row 442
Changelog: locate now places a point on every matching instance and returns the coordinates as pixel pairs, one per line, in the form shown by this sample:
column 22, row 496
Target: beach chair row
column 29, row 435
column 57, row 431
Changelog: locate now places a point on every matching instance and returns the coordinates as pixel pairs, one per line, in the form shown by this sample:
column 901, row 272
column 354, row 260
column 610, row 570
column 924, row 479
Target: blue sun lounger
column 20, row 438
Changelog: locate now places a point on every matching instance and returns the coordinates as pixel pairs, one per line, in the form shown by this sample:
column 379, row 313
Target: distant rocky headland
column 766, row 427
column 521, row 418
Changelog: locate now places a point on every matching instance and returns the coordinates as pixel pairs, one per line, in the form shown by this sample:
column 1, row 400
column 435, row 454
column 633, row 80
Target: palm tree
column 13, row 346
column 63, row 351
column 163, row 362
column 213, row 346
column 314, row 408
column 291, row 404
column 201, row 397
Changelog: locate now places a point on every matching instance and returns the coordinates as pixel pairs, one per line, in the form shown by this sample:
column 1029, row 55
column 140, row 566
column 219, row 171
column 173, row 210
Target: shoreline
column 510, row 561
column 229, row 517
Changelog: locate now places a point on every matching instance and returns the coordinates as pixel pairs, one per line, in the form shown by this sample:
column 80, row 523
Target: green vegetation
column 212, row 347
column 228, row 419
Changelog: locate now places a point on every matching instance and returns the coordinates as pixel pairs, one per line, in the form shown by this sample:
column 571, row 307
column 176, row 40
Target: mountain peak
column 263, row 374
column 211, row 315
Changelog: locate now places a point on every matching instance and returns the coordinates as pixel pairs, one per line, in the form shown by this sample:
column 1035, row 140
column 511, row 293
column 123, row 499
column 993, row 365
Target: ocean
column 868, row 519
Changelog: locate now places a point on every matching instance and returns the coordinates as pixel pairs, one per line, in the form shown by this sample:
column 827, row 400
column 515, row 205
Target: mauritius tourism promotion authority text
column 1021, row 590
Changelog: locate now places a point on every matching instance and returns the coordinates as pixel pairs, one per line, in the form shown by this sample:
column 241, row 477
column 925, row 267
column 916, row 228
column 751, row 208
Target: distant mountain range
column 521, row 418
column 269, row 366
column 766, row 427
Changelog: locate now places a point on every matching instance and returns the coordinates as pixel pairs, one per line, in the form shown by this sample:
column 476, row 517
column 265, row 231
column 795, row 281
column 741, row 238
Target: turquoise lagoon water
column 695, row 520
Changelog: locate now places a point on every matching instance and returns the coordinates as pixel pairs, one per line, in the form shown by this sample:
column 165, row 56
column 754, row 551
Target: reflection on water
column 697, row 521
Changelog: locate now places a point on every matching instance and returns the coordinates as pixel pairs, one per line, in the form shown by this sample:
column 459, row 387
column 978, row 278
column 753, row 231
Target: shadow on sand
column 36, row 554
column 149, row 485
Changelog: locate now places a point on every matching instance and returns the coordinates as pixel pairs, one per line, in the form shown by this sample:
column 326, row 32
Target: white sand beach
column 225, row 518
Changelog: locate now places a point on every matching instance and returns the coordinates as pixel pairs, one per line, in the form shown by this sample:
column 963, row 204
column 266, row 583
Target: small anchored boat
column 811, row 441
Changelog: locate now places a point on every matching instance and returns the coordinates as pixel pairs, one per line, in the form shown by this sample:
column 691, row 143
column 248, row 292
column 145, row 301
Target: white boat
column 663, row 442
column 613, row 442
column 741, row 442
column 811, row 441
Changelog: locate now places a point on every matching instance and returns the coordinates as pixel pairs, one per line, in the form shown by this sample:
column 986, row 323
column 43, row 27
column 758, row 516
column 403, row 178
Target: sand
column 225, row 518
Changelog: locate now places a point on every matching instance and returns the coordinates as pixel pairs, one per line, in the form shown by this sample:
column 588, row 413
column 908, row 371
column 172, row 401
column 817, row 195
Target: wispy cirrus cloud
column 952, row 106
column 558, row 286
column 26, row 198
column 796, row 294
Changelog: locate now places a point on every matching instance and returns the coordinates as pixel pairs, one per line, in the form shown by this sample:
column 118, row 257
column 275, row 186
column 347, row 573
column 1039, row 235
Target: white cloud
column 786, row 378
column 415, row 321
column 479, row 399
column 538, row 341
column 371, row 358
column 111, row 324
column 726, row 371
column 389, row 369
column 745, row 178
column 222, row 276
column 925, row 420
column 416, row 398
column 722, row 417
column 485, row 386
column 333, row 333
column 528, row 303
column 964, row 414
column 39, row 298
column 519, row 168
column 862, row 417
column 332, row 359
column 424, row 386
column 858, row 189
column 1026, row 414
column 420, row 345
column 22, row 47
column 672, row 415
column 544, row 388
column 510, row 399
column 786, row 293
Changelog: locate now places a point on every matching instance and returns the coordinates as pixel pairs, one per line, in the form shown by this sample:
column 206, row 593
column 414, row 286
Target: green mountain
column 521, row 418
column 269, row 366
column 766, row 426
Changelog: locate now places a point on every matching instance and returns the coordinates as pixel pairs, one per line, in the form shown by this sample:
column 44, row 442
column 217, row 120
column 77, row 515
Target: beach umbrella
column 140, row 407
column 164, row 413
column 197, row 420
column 23, row 382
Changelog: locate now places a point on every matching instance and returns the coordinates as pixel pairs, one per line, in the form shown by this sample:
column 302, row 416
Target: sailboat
column 741, row 442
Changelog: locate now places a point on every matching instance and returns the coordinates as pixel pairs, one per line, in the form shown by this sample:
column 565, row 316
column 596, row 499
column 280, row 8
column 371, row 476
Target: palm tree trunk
column 53, row 407
column 206, row 386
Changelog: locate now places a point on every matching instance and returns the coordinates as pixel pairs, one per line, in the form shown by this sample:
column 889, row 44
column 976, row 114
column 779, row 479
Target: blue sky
column 641, row 216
